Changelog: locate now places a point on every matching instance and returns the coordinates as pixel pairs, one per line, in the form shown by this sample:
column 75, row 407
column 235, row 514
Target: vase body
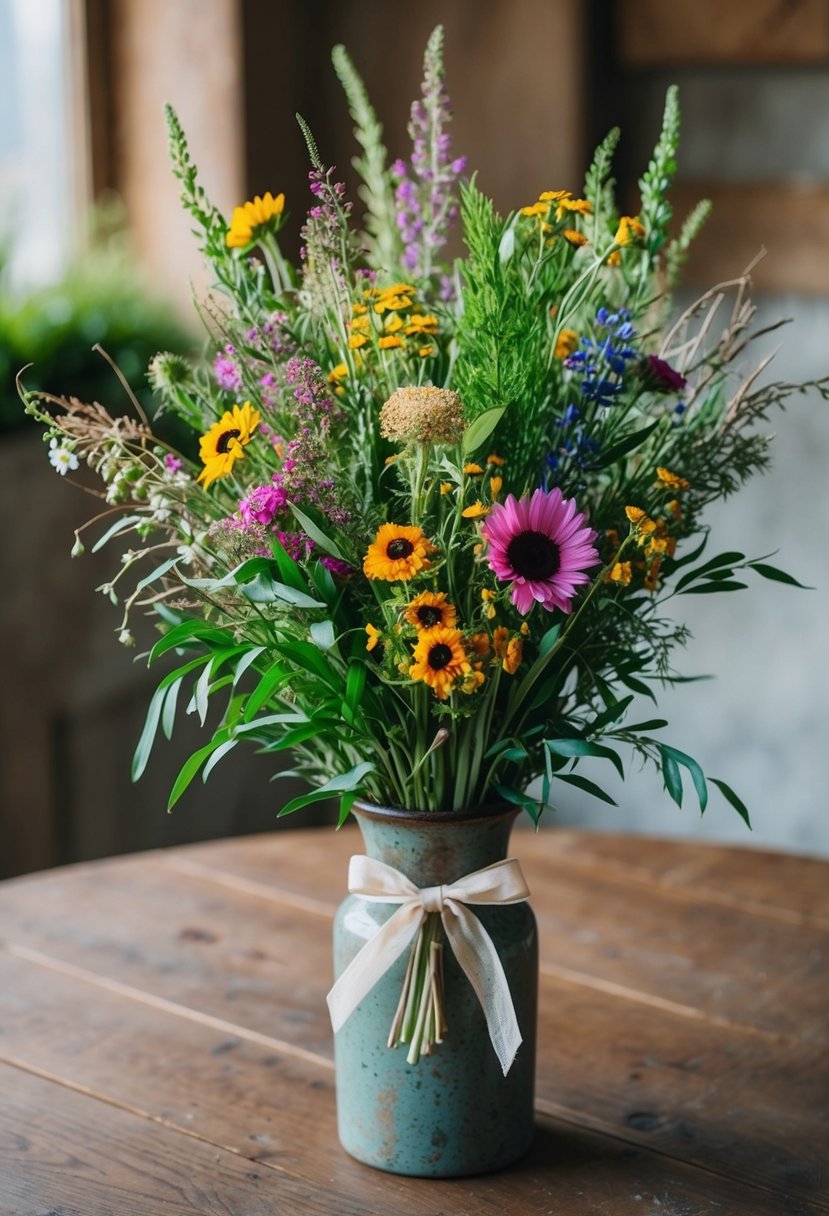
column 454, row 1112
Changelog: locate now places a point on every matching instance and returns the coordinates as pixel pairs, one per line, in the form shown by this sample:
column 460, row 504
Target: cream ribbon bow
column 501, row 883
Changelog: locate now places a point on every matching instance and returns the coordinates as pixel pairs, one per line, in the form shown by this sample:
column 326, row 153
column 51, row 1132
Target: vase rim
column 396, row 814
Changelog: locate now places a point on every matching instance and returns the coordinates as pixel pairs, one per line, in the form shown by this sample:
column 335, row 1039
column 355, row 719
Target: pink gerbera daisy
column 542, row 546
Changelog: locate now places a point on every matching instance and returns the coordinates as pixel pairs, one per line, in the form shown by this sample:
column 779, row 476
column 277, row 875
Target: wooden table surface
column 165, row 1048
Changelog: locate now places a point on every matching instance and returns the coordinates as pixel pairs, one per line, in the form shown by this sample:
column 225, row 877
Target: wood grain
column 181, row 995
column 653, row 33
column 746, row 219
column 650, row 1082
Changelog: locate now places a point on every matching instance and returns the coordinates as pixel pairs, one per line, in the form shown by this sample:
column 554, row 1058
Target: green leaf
column 577, row 748
column 126, row 521
column 337, row 785
column 145, row 742
column 346, row 803
column 322, row 634
column 315, row 532
column 289, row 571
column 191, row 632
column 192, row 765
column 480, row 429
column 589, row 787
column 157, row 573
column 265, row 590
column 245, row 662
column 730, row 796
column 723, row 559
column 217, row 755
column 612, row 714
column 624, row 446
column 651, row 724
column 531, row 805
column 168, row 713
column 710, row 588
column 548, row 641
column 778, row 576
column 276, row 675
column 697, row 775
column 671, row 775
column 306, row 656
column 355, row 683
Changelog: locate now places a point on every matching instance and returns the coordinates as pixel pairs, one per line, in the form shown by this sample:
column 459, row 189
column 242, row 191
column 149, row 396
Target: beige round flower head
column 422, row 415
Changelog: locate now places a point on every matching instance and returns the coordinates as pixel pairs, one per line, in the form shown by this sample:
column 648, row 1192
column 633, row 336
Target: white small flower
column 160, row 506
column 62, row 458
column 126, row 638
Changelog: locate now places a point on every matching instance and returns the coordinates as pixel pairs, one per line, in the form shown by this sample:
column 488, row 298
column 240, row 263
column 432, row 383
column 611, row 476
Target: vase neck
column 431, row 851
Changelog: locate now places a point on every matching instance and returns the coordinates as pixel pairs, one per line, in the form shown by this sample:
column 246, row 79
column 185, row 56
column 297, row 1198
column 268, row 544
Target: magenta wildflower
column 263, row 504
column 662, row 376
column 340, row 568
column 542, row 546
column 172, row 463
column 227, row 371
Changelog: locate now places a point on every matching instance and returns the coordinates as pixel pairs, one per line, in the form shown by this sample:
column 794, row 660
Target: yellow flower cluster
column 390, row 315
column 552, row 208
column 652, row 535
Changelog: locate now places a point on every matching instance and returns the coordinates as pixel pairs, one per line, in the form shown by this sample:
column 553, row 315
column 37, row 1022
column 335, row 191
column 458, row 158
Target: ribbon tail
column 478, row 958
column 373, row 961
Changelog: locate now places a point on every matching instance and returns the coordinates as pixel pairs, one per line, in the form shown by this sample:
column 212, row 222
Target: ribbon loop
column 501, row 883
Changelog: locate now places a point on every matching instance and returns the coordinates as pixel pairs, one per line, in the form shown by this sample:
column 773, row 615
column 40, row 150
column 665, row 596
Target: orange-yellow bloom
column 398, row 553
column 439, row 660
column 251, row 218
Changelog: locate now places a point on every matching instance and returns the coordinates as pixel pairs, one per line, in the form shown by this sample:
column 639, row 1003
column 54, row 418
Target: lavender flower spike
column 426, row 187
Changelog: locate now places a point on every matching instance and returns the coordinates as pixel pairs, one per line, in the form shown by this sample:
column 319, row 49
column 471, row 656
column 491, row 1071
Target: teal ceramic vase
column 454, row 1112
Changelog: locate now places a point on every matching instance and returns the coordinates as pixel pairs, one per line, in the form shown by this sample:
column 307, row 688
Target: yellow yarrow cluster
column 552, row 208
column 389, row 316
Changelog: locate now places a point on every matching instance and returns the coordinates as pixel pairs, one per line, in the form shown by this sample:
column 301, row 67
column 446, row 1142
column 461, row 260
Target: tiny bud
column 77, row 548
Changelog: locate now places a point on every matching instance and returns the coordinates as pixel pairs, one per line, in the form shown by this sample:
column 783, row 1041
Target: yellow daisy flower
column 249, row 219
column 425, row 351
column 630, row 231
column 390, row 342
column 476, row 511
column 398, row 553
column 429, row 610
column 446, row 486
column 373, row 637
column 222, row 445
column 480, row 644
column 495, row 484
column 439, row 660
column 572, row 237
column 494, row 458
column 472, row 469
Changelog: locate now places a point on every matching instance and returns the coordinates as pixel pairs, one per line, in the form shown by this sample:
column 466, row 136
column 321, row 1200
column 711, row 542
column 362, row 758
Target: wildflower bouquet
column 433, row 509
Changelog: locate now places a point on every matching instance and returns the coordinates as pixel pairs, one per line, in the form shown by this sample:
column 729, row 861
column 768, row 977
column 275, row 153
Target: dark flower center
column 439, row 656
column 429, row 616
column 223, row 442
column 533, row 555
column 399, row 548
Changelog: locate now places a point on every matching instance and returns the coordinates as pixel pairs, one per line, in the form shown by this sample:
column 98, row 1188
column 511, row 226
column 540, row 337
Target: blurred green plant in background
column 102, row 298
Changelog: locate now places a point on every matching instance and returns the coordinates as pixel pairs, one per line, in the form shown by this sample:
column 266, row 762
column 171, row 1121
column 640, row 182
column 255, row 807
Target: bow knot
column 501, row 883
column 432, row 898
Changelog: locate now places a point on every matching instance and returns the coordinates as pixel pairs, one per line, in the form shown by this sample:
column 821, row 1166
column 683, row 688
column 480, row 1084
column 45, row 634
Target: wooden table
column 165, row 1049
